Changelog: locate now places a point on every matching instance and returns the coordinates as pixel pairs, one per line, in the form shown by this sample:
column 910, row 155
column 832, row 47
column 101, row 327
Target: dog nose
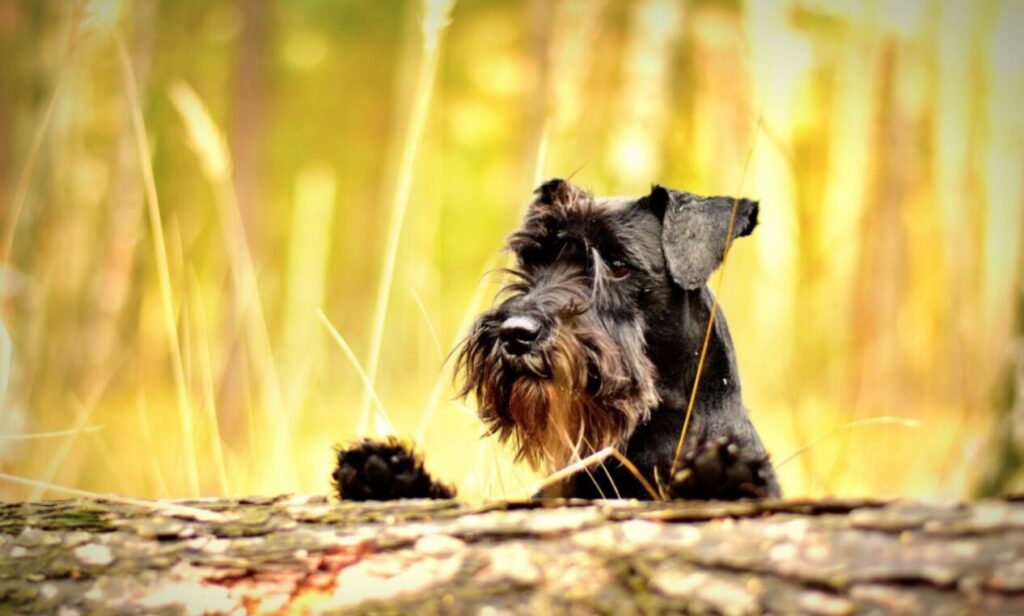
column 518, row 333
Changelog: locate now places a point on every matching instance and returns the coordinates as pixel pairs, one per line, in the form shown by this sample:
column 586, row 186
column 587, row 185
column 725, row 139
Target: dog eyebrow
column 617, row 251
column 598, row 278
column 629, row 246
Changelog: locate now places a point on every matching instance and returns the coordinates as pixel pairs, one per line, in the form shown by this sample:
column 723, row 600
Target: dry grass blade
column 707, row 340
column 465, row 408
column 5, row 367
column 211, row 148
column 714, row 305
column 574, row 447
column 636, row 473
column 210, row 398
column 347, row 350
column 434, row 21
column 440, row 382
column 206, row 140
column 156, row 472
column 430, row 324
column 181, row 511
column 53, row 434
column 163, row 269
column 608, row 474
column 21, row 189
column 575, row 467
column 585, row 463
column 542, row 154
column 60, row 453
column 867, row 421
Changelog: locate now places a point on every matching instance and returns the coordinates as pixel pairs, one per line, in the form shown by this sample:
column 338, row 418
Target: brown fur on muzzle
column 551, row 410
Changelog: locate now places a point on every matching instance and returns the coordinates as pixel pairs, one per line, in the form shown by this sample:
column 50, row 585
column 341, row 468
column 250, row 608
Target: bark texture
column 305, row 554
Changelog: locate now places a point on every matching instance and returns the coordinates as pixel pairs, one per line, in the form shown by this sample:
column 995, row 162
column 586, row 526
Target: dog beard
column 579, row 396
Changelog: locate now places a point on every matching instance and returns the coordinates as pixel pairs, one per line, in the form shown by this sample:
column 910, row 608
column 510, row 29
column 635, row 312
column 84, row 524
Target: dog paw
column 720, row 469
column 384, row 470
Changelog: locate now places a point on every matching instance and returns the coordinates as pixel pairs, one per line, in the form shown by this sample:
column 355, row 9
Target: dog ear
column 551, row 192
column 657, row 201
column 560, row 194
column 694, row 229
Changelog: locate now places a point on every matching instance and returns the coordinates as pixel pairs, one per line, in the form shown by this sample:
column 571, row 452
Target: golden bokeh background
column 186, row 187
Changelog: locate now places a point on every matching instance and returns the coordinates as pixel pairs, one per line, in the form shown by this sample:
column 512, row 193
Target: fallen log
column 305, row 554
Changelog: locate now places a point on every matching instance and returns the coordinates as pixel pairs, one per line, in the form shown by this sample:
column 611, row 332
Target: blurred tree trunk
column 249, row 106
column 121, row 226
column 247, row 115
column 1004, row 470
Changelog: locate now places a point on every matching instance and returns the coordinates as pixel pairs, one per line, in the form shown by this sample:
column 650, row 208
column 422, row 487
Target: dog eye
column 619, row 269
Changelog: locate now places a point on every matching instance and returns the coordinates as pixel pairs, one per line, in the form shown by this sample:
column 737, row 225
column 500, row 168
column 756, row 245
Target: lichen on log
column 306, row 554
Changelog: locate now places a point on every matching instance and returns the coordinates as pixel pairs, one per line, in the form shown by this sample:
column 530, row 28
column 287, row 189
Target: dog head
column 560, row 365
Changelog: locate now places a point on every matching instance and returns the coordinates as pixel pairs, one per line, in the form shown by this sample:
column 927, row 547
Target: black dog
column 596, row 343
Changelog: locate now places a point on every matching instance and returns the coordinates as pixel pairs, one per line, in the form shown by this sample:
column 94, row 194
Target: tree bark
column 308, row 555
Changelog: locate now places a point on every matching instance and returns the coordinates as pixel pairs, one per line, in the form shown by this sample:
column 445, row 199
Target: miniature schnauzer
column 596, row 342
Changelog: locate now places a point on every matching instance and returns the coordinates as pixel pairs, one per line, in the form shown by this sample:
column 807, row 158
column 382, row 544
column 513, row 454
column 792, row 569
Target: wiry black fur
column 719, row 469
column 611, row 296
column 590, row 343
column 384, row 470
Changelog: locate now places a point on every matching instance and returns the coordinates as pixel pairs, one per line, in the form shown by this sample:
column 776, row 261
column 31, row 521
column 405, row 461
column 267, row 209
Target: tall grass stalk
column 442, row 379
column 156, row 472
column 435, row 20
column 182, row 511
column 472, row 307
column 209, row 397
column 5, row 364
column 542, row 154
column 704, row 345
column 382, row 414
column 51, row 434
column 118, row 478
column 434, row 398
column 584, row 464
column 208, row 144
column 867, row 421
column 714, row 299
column 60, row 454
column 25, row 178
column 185, row 411
column 429, row 322
column 309, row 248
